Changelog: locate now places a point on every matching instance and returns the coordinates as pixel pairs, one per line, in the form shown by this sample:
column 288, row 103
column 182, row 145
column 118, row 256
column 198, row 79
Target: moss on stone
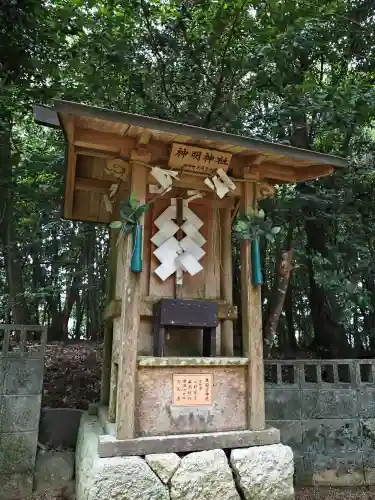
column 15, row 454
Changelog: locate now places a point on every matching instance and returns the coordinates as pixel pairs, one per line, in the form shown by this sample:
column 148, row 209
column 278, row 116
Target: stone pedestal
column 110, row 446
column 251, row 473
column 156, row 412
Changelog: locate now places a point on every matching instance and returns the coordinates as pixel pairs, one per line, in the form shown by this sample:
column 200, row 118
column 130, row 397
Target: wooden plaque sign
column 192, row 390
column 194, row 159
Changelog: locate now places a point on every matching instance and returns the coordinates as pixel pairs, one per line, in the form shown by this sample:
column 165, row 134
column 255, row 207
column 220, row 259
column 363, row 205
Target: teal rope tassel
column 136, row 261
column 256, row 275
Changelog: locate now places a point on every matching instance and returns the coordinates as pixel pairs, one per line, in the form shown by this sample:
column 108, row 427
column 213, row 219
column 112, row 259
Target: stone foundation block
column 256, row 473
column 164, row 465
column 204, row 475
column 17, row 451
column 16, row 486
column 122, row 478
column 53, row 470
column 19, row 413
column 264, row 472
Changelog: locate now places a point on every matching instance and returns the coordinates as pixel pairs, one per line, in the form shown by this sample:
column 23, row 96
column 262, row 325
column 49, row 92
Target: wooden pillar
column 108, row 325
column 252, row 327
column 226, row 279
column 129, row 322
column 113, row 387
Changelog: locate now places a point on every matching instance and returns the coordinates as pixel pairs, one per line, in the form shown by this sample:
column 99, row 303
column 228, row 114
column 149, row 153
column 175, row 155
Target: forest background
column 297, row 72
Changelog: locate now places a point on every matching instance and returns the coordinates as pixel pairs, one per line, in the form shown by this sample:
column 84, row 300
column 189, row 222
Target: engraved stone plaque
column 192, row 389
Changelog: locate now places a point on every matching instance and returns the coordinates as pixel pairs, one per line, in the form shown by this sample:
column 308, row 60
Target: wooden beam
column 213, row 264
column 113, row 310
column 273, row 182
column 284, row 173
column 93, row 185
column 259, row 169
column 96, row 153
column 70, row 171
column 226, row 280
column 209, row 200
column 129, row 322
column 144, row 138
column 258, row 159
column 113, row 143
column 143, row 155
column 246, row 166
column 275, row 171
column 104, row 141
column 252, row 327
column 189, row 182
column 313, row 172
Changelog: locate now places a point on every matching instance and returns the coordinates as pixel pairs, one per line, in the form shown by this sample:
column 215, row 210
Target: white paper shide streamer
column 178, row 256
column 220, row 183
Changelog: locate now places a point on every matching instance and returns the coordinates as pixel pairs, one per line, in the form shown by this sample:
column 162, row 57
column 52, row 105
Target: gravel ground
column 46, row 496
column 52, row 496
column 335, row 494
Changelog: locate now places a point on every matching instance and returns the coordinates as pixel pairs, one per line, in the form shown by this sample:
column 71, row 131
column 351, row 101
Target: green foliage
column 297, row 72
column 252, row 226
column 130, row 212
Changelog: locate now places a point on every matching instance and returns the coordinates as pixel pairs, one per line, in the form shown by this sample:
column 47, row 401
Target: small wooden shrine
column 170, row 381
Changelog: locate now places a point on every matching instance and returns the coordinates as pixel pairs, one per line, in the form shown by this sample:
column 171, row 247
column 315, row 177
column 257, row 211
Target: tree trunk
column 329, row 334
column 369, row 317
column 79, row 317
column 40, row 277
column 12, row 257
column 92, row 307
column 278, row 298
column 284, row 267
column 291, row 346
column 71, row 297
column 20, row 312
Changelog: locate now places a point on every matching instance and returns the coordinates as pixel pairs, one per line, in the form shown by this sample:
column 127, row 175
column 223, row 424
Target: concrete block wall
column 325, row 411
column 21, row 384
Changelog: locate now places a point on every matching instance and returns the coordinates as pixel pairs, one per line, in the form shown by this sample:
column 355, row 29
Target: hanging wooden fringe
column 136, row 261
column 256, row 266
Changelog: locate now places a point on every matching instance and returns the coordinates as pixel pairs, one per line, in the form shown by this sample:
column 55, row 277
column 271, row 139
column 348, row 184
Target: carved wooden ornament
column 117, row 168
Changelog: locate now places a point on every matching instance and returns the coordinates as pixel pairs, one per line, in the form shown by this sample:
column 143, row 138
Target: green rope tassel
column 136, row 261
column 256, row 267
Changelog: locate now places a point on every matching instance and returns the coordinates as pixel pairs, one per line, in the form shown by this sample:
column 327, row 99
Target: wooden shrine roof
column 96, row 135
